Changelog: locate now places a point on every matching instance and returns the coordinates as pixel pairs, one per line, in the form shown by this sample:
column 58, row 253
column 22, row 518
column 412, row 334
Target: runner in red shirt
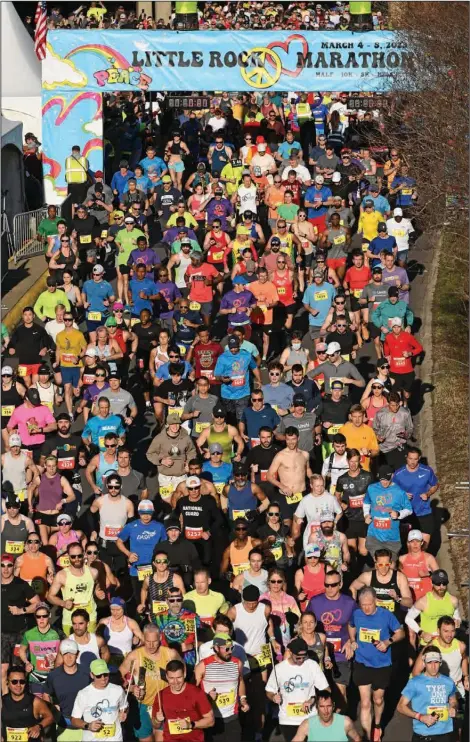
column 285, row 282
column 357, row 277
column 294, row 185
column 186, row 711
column 215, row 245
column 200, row 278
column 399, row 347
column 204, row 354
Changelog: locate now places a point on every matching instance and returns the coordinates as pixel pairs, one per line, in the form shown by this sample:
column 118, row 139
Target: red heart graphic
column 285, row 46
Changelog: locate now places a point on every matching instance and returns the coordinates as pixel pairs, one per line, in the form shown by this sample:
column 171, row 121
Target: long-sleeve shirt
column 388, row 425
column 384, row 313
column 47, row 302
column 180, row 449
column 395, row 346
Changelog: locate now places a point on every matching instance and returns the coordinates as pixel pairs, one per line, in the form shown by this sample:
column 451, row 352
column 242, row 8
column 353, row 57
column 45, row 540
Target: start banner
column 106, row 61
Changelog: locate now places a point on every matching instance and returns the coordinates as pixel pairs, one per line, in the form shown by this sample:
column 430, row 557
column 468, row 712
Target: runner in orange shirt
column 265, row 293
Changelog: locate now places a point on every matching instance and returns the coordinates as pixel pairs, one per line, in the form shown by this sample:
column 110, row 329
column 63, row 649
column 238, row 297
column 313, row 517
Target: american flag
column 40, row 33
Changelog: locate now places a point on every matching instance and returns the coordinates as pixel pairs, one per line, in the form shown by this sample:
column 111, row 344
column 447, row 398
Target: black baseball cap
column 440, row 577
column 385, row 472
column 393, row 291
column 377, row 269
column 299, row 400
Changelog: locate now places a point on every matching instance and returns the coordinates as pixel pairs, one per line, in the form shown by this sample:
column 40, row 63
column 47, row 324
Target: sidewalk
column 21, row 287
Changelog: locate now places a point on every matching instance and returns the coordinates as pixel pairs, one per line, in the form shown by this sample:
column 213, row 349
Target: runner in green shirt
column 126, row 240
column 48, row 227
column 41, row 643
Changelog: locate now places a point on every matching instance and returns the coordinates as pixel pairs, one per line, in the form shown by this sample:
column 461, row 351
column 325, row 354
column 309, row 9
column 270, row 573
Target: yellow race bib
column 7, row 410
column 294, row 499
column 21, row 370
column 166, row 492
column 442, row 712
column 107, row 731
column 238, row 569
column 195, row 306
column 295, row 709
column 224, row 700
column 276, row 552
column 14, row 547
column 94, row 317
column 357, row 293
column 264, row 657
column 174, row 726
column 64, row 561
column 145, row 570
column 388, row 604
column 239, row 514
column 320, row 295
column 85, row 239
column 159, row 606
column 219, row 487
column 21, row 495
column 199, row 427
column 17, row 735
column 369, row 636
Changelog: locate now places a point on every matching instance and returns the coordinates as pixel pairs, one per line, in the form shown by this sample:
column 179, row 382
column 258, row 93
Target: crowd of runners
column 216, row 523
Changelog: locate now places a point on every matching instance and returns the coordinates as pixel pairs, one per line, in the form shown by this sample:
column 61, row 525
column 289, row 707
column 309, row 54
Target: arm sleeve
column 410, row 619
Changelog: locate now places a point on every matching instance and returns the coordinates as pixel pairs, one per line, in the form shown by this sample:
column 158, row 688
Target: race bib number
column 333, row 429
column 224, row 700
column 111, row 532
column 145, row 570
column 68, row 358
column 44, row 664
column 345, row 356
column 22, row 370
column 293, row 499
column 159, row 606
column 356, row 502
column 193, row 534
column 94, row 316
column 382, row 524
column 7, row 410
column 182, row 349
column 239, row 514
column 14, row 547
column 281, row 291
column 264, row 475
column 442, row 712
column 369, row 636
column 66, row 463
column 64, row 561
column 238, row 380
column 166, row 492
column 85, row 239
column 388, row 604
column 365, row 246
column 238, row 569
column 199, row 427
column 195, row 306
column 207, row 373
column 176, row 411
column 320, row 296
column 296, row 710
column 277, row 553
column 407, row 191
column 357, row 293
column 217, row 256
column 219, row 487
column 107, row 731
column 21, row 495
column 17, row 735
column 336, row 643
column 399, row 361
column 264, row 657
column 339, row 240
column 174, row 726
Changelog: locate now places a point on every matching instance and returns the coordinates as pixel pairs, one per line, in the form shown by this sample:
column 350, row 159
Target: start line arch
column 81, row 65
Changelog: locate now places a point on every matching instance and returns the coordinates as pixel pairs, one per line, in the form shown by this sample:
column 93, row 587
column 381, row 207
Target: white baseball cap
column 261, row 147
column 193, row 482
column 336, row 178
column 98, row 269
column 7, row 371
column 68, row 646
column 398, row 211
column 15, row 440
column 396, row 321
column 319, row 179
column 145, row 506
column 90, row 352
column 415, row 535
column 332, row 348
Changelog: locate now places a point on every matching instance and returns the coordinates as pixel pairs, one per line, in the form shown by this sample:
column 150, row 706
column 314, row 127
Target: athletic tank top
column 284, row 287
column 10, row 400
column 312, row 584
column 381, row 588
column 91, row 646
column 113, row 517
column 14, row 471
column 157, row 595
column 71, row 295
column 180, row 270
column 104, row 468
column 316, row 650
column 32, row 568
column 158, row 361
column 14, row 537
column 89, row 375
column 153, row 665
column 79, row 589
column 50, row 493
column 216, row 252
column 46, row 395
column 224, row 440
column 261, row 582
column 333, row 733
column 223, row 676
column 119, row 642
column 411, row 567
column 250, row 628
column 119, row 338
column 452, row 661
column 371, row 411
column 176, row 149
column 239, row 557
column 332, row 551
column 436, row 608
column 296, row 356
column 63, row 559
column 240, row 501
column 196, row 202
column 18, row 714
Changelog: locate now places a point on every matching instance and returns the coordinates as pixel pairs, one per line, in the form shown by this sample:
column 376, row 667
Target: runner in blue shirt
column 404, row 187
column 102, row 423
column 158, row 165
column 142, row 182
column 221, row 471
column 142, row 290
column 120, row 179
column 380, row 202
column 97, row 295
column 316, row 198
column 257, row 416
column 420, row 483
column 383, row 241
column 142, row 535
column 372, row 631
column 233, row 369
column 163, row 372
column 384, row 505
column 319, row 113
column 317, row 301
column 430, row 699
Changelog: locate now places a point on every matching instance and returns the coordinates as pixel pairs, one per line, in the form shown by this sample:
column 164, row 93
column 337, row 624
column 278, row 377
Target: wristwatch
column 193, row 724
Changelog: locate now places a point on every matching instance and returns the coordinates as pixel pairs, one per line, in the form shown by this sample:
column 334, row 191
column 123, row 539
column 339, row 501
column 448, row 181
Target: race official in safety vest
column 76, row 174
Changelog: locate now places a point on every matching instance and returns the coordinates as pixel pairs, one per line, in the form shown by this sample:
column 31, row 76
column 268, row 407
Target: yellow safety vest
column 76, row 169
column 303, row 111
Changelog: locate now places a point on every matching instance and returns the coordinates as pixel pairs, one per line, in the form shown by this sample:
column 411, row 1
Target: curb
column 13, row 317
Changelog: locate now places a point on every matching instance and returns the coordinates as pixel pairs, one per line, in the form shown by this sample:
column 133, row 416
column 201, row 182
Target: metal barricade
column 25, row 231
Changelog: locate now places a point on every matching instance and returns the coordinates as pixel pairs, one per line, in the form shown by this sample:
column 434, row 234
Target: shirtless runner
column 287, row 472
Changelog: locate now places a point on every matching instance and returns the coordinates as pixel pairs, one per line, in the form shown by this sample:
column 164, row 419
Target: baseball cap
column 8, row 558
column 7, row 371
column 312, row 550
column 233, row 342
column 298, row 646
column 275, row 241
column 185, row 241
column 145, row 506
column 369, row 202
column 63, row 518
column 382, row 362
column 99, row 174
column 318, row 272
column 98, row 269
column 221, row 640
column 219, row 411
column 215, row 448
column 377, row 269
column 201, row 166
column 319, row 179
column 12, row 501
column 110, row 322
column 398, row 211
column 42, row 370
column 193, row 482
column 118, row 601
column 68, row 646
column 113, row 375
column 415, row 535
column 439, row 576
column 172, row 524
column 337, row 384
column 378, row 381
column 381, row 227
column 118, row 305
column 326, row 516
column 90, row 352
column 435, row 656
column 374, row 188
column 261, row 147
column 42, row 606
column 239, row 468
column 173, row 419
column 129, row 220
column 396, row 321
column 299, row 400
column 33, row 396
column 321, row 347
column 166, row 179
column 385, row 472
column 15, row 440
column 333, row 348
column 117, row 212
column 336, row 178
column 98, row 667
column 393, row 291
